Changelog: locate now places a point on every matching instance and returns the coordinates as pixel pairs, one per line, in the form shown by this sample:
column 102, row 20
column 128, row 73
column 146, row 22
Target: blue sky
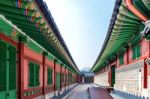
column 83, row 24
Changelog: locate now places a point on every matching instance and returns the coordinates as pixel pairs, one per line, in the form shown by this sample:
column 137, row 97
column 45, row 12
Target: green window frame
column 49, row 76
column 69, row 78
column 136, row 52
column 58, row 80
column 66, row 79
column 34, row 74
column 3, row 64
column 12, row 68
column 121, row 59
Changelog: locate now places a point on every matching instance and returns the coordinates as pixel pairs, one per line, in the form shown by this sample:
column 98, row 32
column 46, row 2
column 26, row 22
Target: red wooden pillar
column 20, row 68
column 128, row 55
column 44, row 70
column 145, row 81
column 55, row 74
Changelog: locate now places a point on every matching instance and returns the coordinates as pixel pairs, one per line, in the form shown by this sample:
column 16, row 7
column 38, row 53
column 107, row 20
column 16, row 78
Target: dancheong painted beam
column 34, row 19
column 123, row 62
column 34, row 59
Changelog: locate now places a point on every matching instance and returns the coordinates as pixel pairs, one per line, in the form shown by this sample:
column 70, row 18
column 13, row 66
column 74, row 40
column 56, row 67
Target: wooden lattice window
column 121, row 59
column 49, row 76
column 12, row 68
column 34, row 74
column 136, row 52
column 58, row 81
column 3, row 60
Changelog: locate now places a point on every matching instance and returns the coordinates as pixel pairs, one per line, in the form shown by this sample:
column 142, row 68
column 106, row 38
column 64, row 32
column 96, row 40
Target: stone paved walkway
column 80, row 92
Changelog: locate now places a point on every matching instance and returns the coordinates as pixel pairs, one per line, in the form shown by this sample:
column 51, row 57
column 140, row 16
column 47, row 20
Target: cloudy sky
column 83, row 24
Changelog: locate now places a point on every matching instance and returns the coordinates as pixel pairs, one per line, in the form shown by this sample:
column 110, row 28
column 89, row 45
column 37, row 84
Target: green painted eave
column 28, row 17
column 125, row 30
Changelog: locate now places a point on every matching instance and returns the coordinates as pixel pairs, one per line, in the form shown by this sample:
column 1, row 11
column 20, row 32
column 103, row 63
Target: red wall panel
column 33, row 55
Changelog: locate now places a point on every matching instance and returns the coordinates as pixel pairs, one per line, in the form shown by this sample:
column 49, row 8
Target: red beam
column 8, row 39
column 135, row 10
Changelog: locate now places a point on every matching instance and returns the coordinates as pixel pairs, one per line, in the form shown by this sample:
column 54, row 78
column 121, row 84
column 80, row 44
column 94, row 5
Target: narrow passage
column 80, row 92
